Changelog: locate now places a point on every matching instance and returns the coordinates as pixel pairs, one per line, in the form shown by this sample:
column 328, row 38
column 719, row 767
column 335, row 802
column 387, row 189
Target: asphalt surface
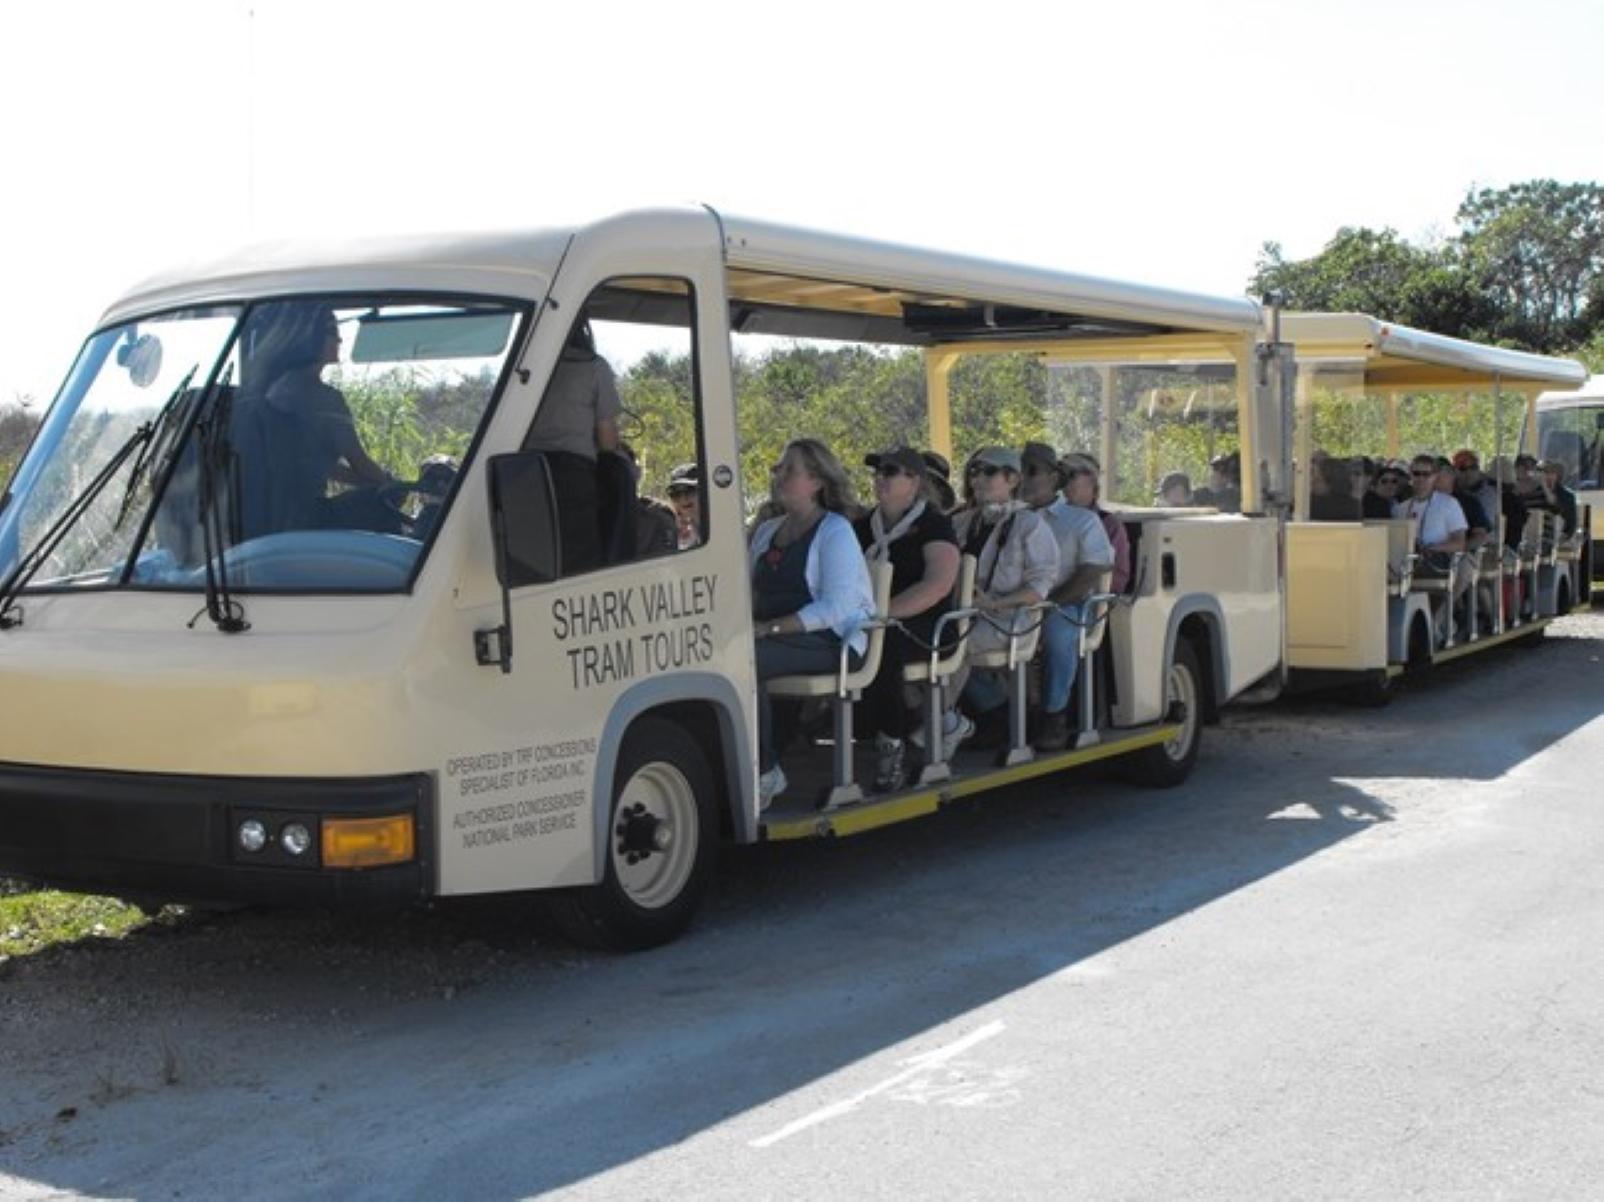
column 1355, row 956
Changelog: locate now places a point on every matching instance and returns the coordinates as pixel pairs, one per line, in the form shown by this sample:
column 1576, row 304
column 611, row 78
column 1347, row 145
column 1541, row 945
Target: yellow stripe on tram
column 872, row 815
column 1459, row 650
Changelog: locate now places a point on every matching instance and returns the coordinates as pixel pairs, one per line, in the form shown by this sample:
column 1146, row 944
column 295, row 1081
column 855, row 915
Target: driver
column 306, row 436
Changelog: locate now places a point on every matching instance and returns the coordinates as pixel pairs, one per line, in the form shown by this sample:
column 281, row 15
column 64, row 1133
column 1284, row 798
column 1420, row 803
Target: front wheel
column 1169, row 763
column 661, row 835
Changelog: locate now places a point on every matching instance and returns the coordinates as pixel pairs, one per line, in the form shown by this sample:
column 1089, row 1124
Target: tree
column 1536, row 250
column 1525, row 269
column 1377, row 272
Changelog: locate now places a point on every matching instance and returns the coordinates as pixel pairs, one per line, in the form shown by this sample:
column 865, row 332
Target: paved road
column 1355, row 957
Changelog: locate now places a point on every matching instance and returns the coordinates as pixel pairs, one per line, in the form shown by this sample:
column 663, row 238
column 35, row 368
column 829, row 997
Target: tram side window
column 619, row 426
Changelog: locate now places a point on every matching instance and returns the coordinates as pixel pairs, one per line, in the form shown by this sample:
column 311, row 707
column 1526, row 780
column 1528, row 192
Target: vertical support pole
column 938, row 400
column 1106, row 441
column 1019, row 750
column 844, row 789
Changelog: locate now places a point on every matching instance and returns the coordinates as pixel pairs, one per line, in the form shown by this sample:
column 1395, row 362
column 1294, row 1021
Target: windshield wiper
column 214, row 449
column 140, row 440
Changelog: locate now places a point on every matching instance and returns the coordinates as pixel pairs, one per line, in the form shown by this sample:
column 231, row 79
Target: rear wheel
column 661, row 835
column 1169, row 763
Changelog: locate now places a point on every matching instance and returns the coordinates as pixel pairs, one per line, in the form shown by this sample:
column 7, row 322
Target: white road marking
column 914, row 1065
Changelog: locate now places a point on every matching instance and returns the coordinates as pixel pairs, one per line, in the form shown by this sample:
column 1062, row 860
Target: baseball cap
column 908, row 459
column 685, row 477
column 1005, row 457
column 1077, row 464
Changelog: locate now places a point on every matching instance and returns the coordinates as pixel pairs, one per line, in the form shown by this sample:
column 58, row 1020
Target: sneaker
column 962, row 729
column 951, row 723
column 769, row 786
column 992, row 731
column 887, row 764
column 1054, row 733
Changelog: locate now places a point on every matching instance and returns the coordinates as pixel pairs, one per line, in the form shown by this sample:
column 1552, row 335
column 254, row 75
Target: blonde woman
column 810, row 589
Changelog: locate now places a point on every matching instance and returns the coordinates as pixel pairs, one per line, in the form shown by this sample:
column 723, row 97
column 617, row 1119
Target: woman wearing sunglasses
column 907, row 529
column 1017, row 556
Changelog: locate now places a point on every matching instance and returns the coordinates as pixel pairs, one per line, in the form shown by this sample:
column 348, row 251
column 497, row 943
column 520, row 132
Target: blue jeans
column 1060, row 643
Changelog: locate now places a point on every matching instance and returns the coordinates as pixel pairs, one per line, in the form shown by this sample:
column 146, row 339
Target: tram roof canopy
column 1396, row 356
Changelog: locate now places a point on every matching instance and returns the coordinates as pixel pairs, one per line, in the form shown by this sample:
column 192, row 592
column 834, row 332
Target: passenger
column 578, row 417
column 1557, row 498
column 1081, row 488
column 1477, row 521
column 1467, row 468
column 1528, row 480
column 1174, row 491
column 1439, row 522
column 1084, row 555
column 685, row 495
column 1017, row 567
column 939, row 473
column 1224, row 490
column 810, row 590
column 1386, row 490
column 306, row 436
column 1332, row 496
column 654, row 521
column 907, row 529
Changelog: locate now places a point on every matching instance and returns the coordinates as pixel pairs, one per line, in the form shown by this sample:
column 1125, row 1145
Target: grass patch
column 33, row 921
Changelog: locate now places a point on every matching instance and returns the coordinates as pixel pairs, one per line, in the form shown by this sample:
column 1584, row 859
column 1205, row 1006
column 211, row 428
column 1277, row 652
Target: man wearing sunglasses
column 1439, row 521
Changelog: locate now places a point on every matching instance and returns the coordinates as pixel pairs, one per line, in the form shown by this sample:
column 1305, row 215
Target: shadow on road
column 559, row 1066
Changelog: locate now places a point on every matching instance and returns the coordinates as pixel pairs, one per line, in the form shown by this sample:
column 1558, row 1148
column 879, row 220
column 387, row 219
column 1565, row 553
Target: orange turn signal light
column 368, row 842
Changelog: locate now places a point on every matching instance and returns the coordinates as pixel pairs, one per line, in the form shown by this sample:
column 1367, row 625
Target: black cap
column 936, row 463
column 908, row 459
column 1040, row 454
column 686, row 477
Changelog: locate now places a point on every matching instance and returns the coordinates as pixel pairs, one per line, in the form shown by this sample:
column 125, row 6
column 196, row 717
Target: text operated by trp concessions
column 523, row 793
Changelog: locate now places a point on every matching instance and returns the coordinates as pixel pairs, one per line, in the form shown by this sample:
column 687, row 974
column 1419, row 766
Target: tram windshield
column 1573, row 435
column 306, row 445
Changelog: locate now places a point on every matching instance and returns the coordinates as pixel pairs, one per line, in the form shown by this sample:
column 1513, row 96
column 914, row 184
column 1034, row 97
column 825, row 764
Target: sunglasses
column 1418, row 472
column 985, row 469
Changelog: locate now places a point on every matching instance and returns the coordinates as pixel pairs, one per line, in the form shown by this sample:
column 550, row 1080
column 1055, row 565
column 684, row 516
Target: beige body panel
column 1336, row 596
column 1225, row 575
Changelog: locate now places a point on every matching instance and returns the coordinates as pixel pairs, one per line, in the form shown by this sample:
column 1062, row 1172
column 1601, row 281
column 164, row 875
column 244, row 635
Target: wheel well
column 1197, row 630
column 701, row 720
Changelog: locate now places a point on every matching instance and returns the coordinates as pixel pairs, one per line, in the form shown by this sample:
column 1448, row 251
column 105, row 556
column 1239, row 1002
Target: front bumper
column 172, row 838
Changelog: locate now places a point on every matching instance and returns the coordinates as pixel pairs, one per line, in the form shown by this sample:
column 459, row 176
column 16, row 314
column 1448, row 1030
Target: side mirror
column 523, row 519
column 528, row 544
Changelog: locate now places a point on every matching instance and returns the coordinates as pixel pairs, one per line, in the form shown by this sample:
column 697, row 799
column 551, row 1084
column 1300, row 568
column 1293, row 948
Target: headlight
column 295, row 839
column 252, row 835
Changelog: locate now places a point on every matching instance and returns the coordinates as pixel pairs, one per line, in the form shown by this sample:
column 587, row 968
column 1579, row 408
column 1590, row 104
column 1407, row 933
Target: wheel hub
column 641, row 833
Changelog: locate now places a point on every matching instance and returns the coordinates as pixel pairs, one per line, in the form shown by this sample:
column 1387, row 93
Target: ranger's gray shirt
column 581, row 393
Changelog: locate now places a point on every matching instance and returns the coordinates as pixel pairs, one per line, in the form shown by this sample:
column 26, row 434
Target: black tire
column 1168, row 764
column 662, row 782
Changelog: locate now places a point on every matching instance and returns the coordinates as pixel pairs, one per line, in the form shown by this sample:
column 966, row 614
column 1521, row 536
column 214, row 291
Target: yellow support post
column 938, row 399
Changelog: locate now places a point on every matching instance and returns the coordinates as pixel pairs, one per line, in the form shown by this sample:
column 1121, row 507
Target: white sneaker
column 951, row 722
column 963, row 728
column 769, row 786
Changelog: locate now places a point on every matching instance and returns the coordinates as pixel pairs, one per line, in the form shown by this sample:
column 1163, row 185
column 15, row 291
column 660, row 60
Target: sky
column 1162, row 142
